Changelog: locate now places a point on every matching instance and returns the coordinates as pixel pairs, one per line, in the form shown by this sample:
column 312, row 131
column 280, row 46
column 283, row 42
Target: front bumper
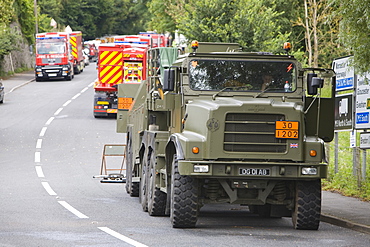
column 253, row 170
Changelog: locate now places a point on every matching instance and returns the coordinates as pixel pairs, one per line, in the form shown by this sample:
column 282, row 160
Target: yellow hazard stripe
column 107, row 56
column 73, row 41
column 114, row 73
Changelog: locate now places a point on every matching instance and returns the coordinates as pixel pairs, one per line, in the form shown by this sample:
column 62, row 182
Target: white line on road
column 73, row 210
column 84, row 90
column 49, row 121
column 39, row 172
column 58, row 111
column 43, row 130
column 48, row 188
column 67, row 103
column 39, row 143
column 91, row 84
column 37, row 157
column 76, row 96
column 122, row 237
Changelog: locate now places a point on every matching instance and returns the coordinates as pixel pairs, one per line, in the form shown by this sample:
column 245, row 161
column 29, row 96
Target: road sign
column 345, row 74
column 365, row 140
column 343, row 115
column 362, row 107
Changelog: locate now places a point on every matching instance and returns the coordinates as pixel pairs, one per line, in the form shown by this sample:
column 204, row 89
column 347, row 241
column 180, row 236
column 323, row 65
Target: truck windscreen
column 242, row 75
column 50, row 47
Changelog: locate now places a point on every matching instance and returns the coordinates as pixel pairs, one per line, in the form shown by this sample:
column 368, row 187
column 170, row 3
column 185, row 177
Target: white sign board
column 365, row 140
column 352, row 139
column 362, row 106
column 345, row 75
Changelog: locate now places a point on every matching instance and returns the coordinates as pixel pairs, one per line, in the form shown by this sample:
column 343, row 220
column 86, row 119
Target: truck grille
column 249, row 132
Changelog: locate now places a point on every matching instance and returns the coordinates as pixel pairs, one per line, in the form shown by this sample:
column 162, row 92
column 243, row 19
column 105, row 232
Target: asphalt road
column 50, row 149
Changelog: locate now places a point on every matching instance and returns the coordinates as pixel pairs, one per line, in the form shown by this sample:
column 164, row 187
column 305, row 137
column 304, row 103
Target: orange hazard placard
column 125, row 103
column 287, row 129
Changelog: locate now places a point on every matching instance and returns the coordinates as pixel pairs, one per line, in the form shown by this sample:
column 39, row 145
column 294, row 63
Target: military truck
column 218, row 125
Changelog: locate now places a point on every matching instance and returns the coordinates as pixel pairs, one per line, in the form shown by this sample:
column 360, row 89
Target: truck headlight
column 201, row 168
column 38, row 69
column 309, row 171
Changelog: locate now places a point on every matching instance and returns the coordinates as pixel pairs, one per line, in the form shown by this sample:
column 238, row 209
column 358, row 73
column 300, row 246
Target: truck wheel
column 307, row 211
column 184, row 199
column 143, row 197
column 68, row 78
column 156, row 197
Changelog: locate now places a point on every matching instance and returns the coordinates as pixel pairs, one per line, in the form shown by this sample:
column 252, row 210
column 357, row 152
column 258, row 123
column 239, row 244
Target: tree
column 354, row 31
column 321, row 32
column 24, row 11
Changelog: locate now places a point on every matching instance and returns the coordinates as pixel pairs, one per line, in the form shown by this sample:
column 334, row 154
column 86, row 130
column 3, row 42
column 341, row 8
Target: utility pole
column 35, row 10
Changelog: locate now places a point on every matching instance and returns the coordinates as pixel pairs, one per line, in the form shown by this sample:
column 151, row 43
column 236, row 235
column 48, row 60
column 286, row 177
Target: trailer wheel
column 184, row 199
column 307, row 211
column 143, row 197
column 131, row 188
column 156, row 197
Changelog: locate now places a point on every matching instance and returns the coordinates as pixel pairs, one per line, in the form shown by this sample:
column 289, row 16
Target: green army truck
column 218, row 125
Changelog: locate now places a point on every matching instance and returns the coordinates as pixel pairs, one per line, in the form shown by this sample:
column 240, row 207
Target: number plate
column 254, row 171
column 52, row 75
column 287, row 129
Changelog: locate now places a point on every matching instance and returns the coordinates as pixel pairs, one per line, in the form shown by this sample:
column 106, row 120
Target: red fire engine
column 53, row 56
column 120, row 62
column 77, row 55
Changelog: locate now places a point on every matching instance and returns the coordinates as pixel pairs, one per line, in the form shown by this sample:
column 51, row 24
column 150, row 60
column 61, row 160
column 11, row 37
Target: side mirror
column 169, row 80
column 311, row 89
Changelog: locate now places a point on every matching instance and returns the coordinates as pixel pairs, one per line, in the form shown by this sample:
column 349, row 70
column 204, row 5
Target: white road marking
column 48, row 188
column 91, row 84
column 49, row 121
column 122, row 237
column 58, row 111
column 76, row 96
column 67, row 103
column 37, row 157
column 84, row 90
column 39, row 143
column 73, row 210
column 43, row 130
column 39, row 172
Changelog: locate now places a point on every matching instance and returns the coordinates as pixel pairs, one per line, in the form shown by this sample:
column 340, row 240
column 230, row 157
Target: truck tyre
column 131, row 188
column 184, row 199
column 156, row 197
column 307, row 211
column 143, row 197
column 69, row 78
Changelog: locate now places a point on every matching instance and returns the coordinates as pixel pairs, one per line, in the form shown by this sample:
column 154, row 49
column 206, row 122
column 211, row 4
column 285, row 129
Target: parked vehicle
column 53, row 55
column 2, row 92
column 218, row 125
column 86, row 58
column 77, row 55
column 122, row 61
